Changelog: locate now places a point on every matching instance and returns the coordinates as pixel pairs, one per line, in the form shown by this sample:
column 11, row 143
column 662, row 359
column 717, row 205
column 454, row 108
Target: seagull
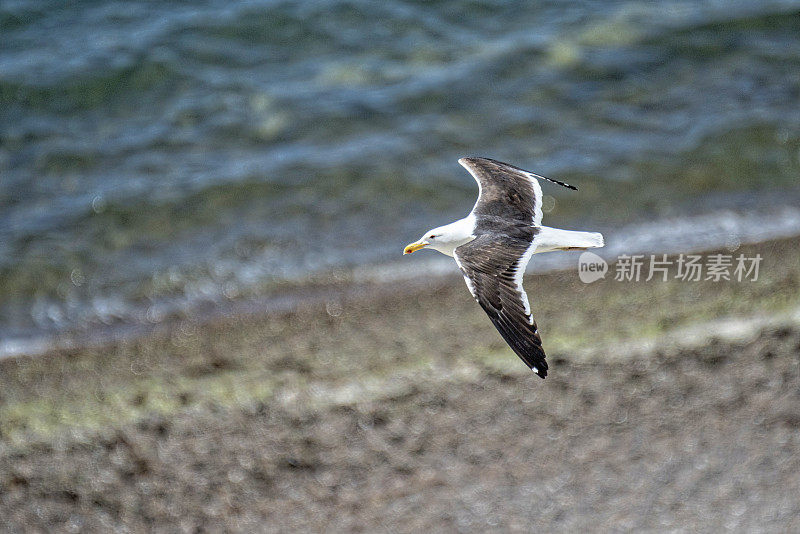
column 493, row 244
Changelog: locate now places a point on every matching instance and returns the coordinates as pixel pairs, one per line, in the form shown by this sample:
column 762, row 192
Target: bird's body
column 493, row 244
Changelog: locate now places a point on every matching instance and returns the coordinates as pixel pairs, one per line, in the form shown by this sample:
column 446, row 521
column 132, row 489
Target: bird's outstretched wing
column 507, row 192
column 493, row 267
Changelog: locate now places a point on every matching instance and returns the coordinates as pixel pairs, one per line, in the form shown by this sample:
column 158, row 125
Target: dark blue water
column 158, row 154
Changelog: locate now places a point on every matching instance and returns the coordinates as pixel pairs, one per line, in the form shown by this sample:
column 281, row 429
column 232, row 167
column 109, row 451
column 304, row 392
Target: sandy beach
column 398, row 408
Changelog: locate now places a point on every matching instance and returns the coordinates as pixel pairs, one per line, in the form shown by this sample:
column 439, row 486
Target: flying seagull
column 493, row 244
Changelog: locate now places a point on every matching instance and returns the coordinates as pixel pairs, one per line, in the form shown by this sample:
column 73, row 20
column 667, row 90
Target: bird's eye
column 431, row 236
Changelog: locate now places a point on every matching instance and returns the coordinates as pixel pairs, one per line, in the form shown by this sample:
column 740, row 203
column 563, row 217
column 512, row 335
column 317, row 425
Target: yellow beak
column 413, row 247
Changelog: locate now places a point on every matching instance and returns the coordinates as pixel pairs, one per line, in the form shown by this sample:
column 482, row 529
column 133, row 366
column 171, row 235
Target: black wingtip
column 563, row 184
column 540, row 370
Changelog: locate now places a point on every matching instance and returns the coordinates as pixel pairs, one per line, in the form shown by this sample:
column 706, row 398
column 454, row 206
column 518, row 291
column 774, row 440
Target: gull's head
column 445, row 239
column 430, row 239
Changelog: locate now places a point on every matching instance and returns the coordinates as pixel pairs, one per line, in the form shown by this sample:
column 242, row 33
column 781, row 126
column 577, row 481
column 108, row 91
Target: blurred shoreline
column 698, row 233
column 345, row 330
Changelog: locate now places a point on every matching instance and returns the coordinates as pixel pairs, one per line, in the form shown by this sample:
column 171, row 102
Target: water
column 156, row 156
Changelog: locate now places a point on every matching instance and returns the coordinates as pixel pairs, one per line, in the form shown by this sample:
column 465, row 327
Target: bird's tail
column 556, row 239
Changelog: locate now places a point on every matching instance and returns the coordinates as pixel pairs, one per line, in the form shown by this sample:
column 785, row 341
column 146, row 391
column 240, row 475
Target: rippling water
column 158, row 154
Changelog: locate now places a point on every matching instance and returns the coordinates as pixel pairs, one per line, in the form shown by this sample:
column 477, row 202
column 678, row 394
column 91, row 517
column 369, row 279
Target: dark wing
column 493, row 266
column 506, row 191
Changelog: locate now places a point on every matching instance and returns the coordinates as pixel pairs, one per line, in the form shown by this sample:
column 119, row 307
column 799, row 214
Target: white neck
column 453, row 235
